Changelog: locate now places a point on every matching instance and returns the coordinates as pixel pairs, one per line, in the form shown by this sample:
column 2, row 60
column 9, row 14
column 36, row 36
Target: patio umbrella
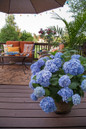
column 29, row 6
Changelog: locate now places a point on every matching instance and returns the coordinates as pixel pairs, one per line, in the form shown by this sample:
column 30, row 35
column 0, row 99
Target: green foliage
column 75, row 29
column 77, row 6
column 8, row 33
column 10, row 20
column 76, row 80
column 74, row 85
column 26, row 36
column 11, row 31
column 49, row 35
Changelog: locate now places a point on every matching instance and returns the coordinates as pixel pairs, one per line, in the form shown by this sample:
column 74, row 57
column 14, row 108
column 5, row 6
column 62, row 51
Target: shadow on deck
column 17, row 110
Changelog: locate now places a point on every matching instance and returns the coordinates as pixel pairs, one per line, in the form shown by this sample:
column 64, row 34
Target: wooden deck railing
column 38, row 47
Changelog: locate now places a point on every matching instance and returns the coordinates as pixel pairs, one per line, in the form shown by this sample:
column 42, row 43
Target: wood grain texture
column 17, row 111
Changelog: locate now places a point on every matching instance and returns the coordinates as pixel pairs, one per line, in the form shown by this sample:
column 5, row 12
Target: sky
column 33, row 22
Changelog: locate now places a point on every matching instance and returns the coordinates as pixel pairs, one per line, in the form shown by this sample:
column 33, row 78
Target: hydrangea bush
column 59, row 77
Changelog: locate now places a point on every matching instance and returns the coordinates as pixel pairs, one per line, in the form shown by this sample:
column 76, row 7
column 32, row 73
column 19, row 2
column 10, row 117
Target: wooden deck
column 17, row 110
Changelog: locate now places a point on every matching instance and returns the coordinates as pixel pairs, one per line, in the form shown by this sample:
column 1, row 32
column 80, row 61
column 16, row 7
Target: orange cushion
column 28, row 49
column 13, row 49
column 15, row 43
column 22, row 45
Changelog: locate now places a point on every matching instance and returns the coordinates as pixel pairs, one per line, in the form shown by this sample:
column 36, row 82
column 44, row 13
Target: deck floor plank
column 17, row 110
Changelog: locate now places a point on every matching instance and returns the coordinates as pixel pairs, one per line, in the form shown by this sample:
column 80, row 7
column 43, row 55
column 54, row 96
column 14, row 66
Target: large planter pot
column 63, row 108
column 61, row 46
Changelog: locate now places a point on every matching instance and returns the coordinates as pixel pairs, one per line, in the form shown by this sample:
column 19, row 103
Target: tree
column 10, row 31
column 75, row 29
column 10, row 20
column 77, row 6
column 26, row 36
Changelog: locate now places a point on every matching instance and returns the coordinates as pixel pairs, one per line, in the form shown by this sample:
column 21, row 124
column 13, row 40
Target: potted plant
column 59, row 79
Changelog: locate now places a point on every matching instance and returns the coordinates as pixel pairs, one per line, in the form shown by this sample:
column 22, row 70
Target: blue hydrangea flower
column 65, row 93
column 48, row 105
column 34, row 65
column 83, row 85
column 43, row 78
column 84, row 76
column 41, row 62
column 74, row 60
column 75, row 56
column 64, row 81
column 58, row 55
column 57, row 62
column 73, row 67
column 51, row 66
column 46, row 58
column 39, row 92
column 35, row 68
column 52, row 56
column 76, row 99
column 33, row 97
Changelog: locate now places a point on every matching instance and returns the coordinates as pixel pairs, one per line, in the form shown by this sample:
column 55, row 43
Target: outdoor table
column 3, row 57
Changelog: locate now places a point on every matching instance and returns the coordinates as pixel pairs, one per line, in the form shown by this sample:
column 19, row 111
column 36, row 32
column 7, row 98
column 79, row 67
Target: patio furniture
column 18, row 50
column 23, row 63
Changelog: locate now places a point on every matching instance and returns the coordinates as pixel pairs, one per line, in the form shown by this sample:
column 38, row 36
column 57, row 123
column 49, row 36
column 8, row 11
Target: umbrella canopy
column 29, row 6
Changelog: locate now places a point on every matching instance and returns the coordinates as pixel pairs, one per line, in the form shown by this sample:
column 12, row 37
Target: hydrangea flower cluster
column 43, row 78
column 65, row 93
column 75, row 56
column 33, row 97
column 58, row 79
column 39, row 92
column 73, row 67
column 36, row 67
column 76, row 99
column 83, row 85
column 64, row 81
column 58, row 55
column 53, row 65
column 48, row 105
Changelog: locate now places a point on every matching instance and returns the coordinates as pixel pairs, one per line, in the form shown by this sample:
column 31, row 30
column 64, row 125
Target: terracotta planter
column 63, row 108
column 61, row 46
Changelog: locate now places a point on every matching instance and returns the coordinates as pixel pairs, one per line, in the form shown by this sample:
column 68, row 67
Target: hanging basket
column 63, row 108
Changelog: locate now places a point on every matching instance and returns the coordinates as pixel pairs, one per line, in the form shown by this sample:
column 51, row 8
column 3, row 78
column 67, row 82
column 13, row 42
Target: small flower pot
column 63, row 108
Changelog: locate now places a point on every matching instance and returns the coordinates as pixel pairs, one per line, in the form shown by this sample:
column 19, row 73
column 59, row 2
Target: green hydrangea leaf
column 35, row 85
column 69, row 99
column 34, row 77
column 47, row 92
column 54, row 81
column 74, row 85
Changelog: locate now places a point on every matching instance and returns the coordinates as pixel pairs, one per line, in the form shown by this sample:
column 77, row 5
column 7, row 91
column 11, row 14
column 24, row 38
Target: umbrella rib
column 9, row 6
column 58, row 3
column 33, row 6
